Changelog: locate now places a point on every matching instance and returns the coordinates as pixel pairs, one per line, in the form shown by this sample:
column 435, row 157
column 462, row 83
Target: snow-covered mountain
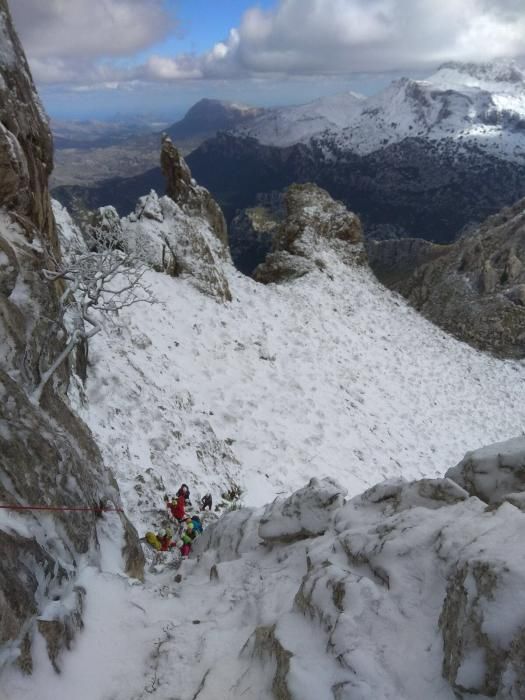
column 479, row 103
column 331, row 375
column 287, row 125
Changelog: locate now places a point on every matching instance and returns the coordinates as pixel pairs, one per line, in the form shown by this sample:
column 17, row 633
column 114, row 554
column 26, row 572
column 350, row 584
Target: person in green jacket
column 187, row 538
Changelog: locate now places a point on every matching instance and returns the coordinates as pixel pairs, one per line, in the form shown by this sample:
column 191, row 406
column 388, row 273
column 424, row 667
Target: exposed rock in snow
column 306, row 513
column 415, row 590
column 474, row 288
column 493, row 473
column 171, row 240
column 182, row 233
column 185, row 192
column 313, row 223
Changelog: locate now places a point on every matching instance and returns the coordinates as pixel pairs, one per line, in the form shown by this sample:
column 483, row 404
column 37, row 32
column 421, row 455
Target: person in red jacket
column 177, row 508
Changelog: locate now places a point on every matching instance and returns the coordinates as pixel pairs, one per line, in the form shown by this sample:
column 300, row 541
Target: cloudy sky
column 97, row 57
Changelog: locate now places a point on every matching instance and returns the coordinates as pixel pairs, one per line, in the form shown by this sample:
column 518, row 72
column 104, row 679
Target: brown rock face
column 26, row 148
column 313, row 223
column 185, row 192
column 473, row 288
column 47, row 455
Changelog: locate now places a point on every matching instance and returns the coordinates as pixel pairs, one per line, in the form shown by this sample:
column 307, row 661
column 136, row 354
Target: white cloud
column 345, row 36
column 162, row 68
column 66, row 39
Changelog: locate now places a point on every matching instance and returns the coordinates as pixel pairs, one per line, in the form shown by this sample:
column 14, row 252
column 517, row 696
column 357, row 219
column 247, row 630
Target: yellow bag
column 153, row 540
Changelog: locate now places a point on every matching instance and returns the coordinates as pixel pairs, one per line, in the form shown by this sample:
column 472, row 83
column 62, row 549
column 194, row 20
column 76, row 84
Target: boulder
column 313, row 223
column 306, row 513
column 492, row 473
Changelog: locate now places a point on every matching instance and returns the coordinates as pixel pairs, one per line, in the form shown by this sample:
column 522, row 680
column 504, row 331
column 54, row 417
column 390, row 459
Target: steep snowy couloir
column 327, row 373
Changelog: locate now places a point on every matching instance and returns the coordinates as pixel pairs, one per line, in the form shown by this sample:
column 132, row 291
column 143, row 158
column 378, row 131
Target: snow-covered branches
column 95, row 283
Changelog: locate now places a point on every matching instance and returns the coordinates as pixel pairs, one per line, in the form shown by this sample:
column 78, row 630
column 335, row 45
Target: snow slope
column 478, row 104
column 331, row 375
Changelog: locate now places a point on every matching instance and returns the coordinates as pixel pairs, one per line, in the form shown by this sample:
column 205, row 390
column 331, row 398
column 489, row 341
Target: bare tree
column 97, row 283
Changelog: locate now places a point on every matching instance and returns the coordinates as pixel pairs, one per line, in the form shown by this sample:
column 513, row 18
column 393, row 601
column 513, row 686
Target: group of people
column 187, row 527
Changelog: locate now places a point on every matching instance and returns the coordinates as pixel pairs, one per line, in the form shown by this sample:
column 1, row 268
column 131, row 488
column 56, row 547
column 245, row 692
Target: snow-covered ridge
column 479, row 104
column 507, row 73
column 288, row 125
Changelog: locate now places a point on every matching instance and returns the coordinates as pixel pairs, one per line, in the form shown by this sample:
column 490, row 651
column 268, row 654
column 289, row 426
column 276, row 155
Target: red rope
column 63, row 509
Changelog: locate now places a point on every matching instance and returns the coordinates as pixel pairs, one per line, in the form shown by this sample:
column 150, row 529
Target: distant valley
column 88, row 153
column 426, row 159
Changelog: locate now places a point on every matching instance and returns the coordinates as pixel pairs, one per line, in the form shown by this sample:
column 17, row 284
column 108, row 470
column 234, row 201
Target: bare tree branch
column 90, row 292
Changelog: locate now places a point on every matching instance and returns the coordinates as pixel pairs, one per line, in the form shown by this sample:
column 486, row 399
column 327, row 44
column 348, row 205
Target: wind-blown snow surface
column 332, row 374
column 329, row 375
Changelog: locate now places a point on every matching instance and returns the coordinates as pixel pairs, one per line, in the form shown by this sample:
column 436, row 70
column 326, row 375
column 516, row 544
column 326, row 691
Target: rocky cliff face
column 47, row 455
column 474, row 288
column 184, row 191
column 394, row 260
column 313, row 225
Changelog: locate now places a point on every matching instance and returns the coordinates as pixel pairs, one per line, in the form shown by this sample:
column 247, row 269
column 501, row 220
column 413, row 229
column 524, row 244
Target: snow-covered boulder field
column 414, row 590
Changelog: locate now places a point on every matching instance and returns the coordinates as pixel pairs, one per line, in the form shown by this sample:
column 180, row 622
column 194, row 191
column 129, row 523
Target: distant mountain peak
column 499, row 71
column 208, row 116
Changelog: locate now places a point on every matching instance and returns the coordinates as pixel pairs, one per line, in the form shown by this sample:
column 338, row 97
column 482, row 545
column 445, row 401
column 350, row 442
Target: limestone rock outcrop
column 47, row 455
column 184, row 191
column 183, row 233
column 473, row 288
column 306, row 513
column 313, row 223
column 493, row 473
column 169, row 239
